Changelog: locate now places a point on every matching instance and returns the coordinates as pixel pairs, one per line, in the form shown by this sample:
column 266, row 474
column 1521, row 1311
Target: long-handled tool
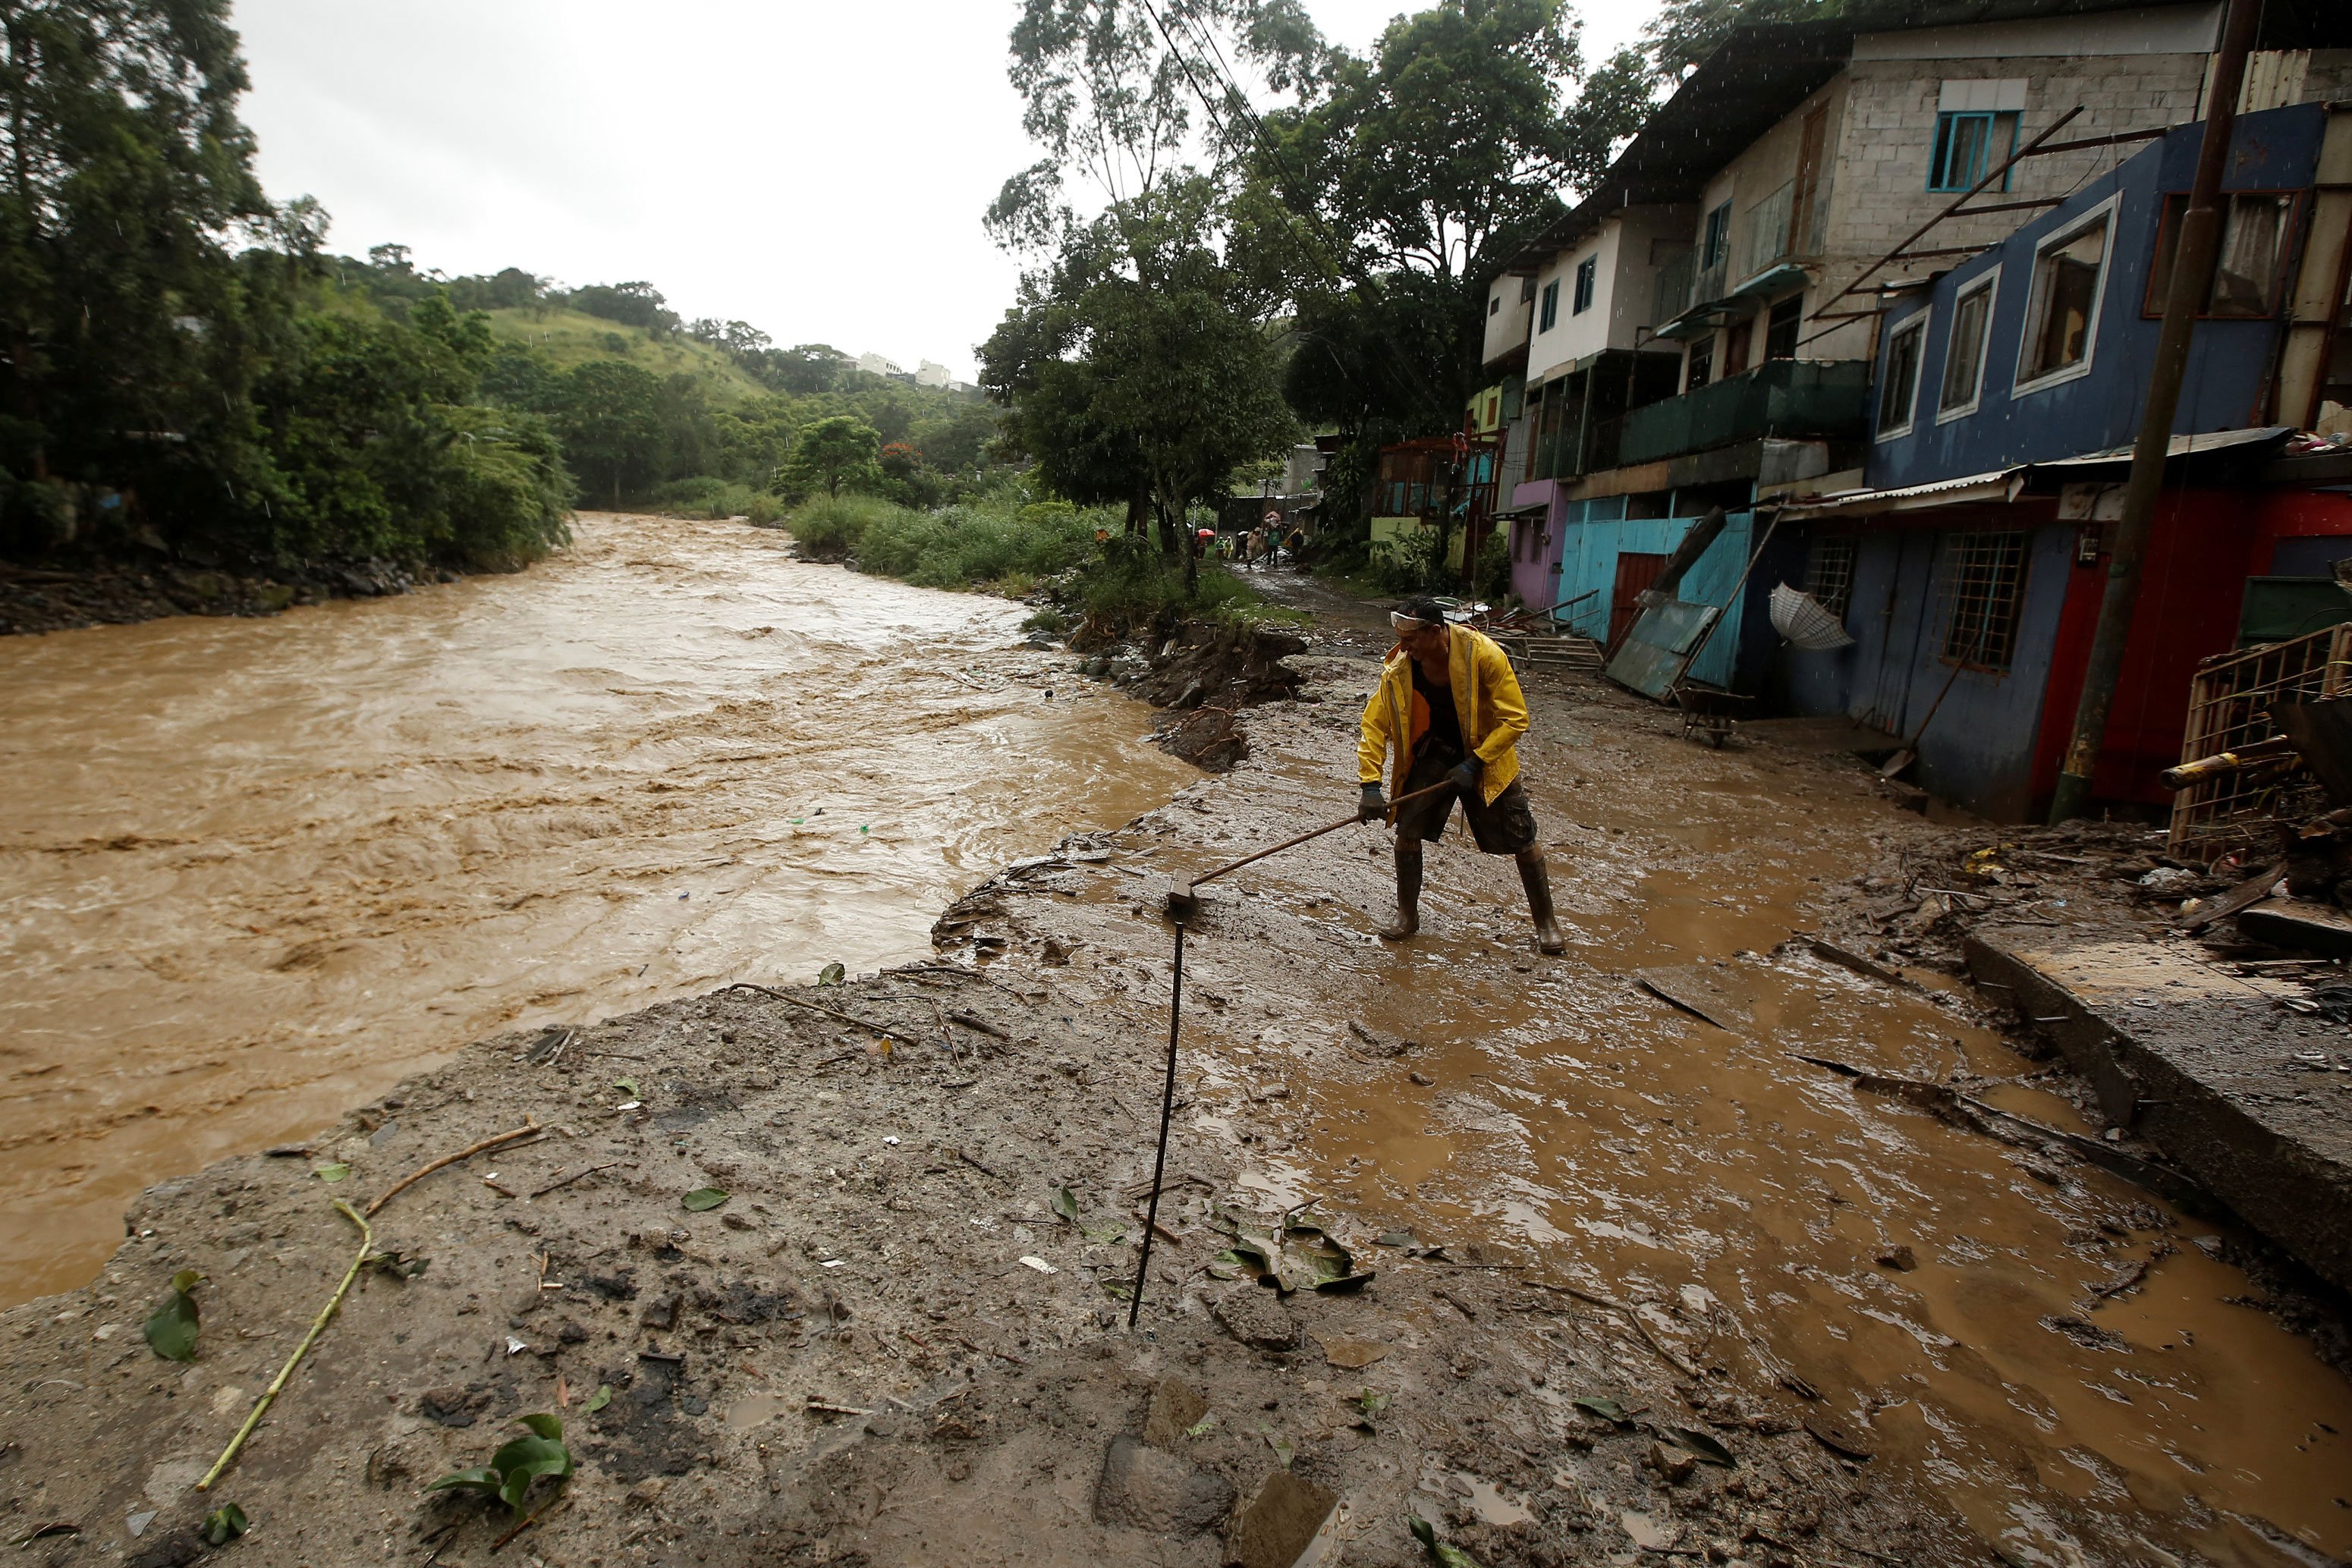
column 1183, row 901
column 1183, row 904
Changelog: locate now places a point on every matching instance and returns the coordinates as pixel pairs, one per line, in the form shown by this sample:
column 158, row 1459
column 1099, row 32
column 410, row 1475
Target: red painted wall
column 2204, row 545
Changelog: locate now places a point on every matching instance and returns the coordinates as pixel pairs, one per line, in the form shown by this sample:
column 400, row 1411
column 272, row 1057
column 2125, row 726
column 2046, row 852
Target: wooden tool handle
column 1317, row 833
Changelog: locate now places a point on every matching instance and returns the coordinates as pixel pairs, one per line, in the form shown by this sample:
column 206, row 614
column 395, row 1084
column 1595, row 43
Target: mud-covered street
column 258, row 870
column 1644, row 1283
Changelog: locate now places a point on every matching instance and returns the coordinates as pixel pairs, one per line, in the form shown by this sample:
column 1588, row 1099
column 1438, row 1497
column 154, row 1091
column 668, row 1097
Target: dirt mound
column 1207, row 674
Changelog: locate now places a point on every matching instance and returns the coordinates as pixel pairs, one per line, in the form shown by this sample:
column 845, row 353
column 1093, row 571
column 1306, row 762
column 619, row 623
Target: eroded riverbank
column 258, row 870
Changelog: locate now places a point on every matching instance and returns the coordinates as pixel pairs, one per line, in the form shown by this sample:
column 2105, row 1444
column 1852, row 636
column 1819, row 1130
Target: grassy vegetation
column 568, row 337
column 705, row 496
column 1004, row 541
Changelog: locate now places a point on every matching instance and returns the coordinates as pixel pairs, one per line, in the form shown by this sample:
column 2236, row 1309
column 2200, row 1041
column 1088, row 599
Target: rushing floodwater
column 256, row 870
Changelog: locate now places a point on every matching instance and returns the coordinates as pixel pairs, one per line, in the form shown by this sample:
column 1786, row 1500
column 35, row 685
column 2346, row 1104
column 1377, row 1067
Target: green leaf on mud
column 1065, row 1204
column 517, row 1464
column 703, row 1198
column 832, row 975
column 223, row 1524
column 1607, row 1409
column 484, row 1479
column 598, row 1400
column 1118, row 1290
column 1444, row 1555
column 171, row 1327
column 185, row 1281
column 627, row 1086
column 526, row 1459
column 1704, row 1445
column 1396, row 1239
column 1368, row 1407
column 1203, row 1426
column 331, row 1173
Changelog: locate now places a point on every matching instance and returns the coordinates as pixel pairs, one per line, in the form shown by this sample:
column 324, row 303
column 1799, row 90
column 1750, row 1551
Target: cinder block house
column 1702, row 328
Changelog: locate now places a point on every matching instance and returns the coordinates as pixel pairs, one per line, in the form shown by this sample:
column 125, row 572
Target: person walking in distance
column 1450, row 710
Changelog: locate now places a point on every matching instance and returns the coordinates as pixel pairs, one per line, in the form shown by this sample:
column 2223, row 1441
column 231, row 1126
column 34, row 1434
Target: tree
column 1685, row 32
column 638, row 304
column 128, row 343
column 831, row 452
column 809, row 368
column 1140, row 368
column 609, row 414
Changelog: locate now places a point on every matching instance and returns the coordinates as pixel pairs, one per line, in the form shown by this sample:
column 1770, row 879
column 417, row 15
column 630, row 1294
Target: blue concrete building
column 1968, row 566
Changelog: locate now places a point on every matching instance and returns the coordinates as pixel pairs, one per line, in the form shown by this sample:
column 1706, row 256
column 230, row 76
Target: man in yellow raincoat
column 1450, row 709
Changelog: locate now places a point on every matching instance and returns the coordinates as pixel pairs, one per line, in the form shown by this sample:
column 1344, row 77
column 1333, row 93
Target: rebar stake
column 1167, row 1111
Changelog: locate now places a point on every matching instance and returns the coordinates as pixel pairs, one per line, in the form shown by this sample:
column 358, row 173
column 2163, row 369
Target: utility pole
column 2192, row 272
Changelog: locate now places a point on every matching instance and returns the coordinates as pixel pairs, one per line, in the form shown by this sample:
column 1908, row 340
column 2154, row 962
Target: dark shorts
column 1503, row 826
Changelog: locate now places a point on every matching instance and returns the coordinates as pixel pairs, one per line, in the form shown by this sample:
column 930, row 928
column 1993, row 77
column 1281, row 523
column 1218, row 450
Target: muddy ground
column 1612, row 1244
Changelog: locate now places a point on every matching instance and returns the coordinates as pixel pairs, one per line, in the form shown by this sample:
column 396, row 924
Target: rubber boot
column 1537, row 876
column 1407, row 923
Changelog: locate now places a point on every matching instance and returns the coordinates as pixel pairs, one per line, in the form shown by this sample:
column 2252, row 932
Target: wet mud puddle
column 2022, row 1340
column 256, row 869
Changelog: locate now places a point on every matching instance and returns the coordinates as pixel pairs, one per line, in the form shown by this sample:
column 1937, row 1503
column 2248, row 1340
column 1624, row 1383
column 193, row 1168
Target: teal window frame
column 1587, row 271
column 1548, row 313
column 1960, row 162
column 1715, row 243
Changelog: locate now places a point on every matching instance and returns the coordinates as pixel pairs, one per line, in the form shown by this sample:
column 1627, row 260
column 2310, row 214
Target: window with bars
column 1828, row 573
column 1984, row 581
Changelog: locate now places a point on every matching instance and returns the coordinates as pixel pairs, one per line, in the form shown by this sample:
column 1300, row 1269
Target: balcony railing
column 1768, row 239
column 1798, row 397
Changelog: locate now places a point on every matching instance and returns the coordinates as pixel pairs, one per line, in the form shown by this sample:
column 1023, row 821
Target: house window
column 1547, row 314
column 1983, row 583
column 1585, row 272
column 1780, row 327
column 1495, row 305
column 1899, row 387
column 2062, row 315
column 1964, row 349
column 1735, row 348
column 1702, row 363
column 1828, row 573
column 1714, row 245
column 1968, row 146
column 2250, row 269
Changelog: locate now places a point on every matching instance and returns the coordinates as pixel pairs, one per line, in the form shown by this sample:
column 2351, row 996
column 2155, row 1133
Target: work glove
column 1465, row 776
column 1374, row 807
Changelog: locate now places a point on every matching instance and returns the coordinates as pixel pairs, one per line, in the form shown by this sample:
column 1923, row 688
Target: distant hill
column 565, row 338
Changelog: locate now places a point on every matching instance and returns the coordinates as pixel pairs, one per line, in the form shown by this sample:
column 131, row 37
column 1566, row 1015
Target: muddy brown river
column 254, row 870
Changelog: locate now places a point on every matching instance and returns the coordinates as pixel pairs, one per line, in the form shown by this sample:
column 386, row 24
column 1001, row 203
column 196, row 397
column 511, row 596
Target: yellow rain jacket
column 1487, row 701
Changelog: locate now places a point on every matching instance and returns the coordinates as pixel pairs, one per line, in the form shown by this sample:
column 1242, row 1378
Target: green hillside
column 564, row 337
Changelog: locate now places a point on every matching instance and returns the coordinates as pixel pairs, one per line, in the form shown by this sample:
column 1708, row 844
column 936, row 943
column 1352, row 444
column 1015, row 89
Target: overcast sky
column 817, row 170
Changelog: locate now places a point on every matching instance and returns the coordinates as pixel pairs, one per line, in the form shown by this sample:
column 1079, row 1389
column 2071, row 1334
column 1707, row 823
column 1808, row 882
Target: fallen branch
column 550, row 1506
column 816, row 1008
column 530, row 1129
column 1950, row 1105
column 972, row 1021
column 317, row 1327
column 567, row 1181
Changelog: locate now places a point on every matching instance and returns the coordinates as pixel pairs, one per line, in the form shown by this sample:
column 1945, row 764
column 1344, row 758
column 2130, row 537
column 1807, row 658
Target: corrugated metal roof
column 2188, row 446
column 1995, row 485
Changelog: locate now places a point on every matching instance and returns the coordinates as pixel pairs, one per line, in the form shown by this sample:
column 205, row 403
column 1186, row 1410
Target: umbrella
column 1800, row 617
